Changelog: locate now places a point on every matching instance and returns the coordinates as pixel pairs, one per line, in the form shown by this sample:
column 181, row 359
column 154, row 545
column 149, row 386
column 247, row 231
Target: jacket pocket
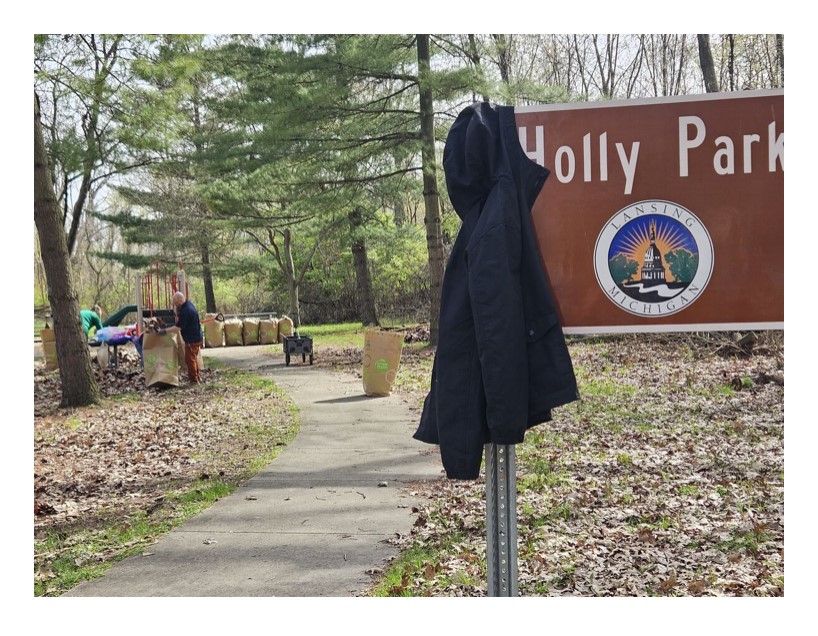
column 538, row 325
column 550, row 371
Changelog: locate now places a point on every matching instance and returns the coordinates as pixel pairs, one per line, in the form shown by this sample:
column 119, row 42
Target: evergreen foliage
column 243, row 156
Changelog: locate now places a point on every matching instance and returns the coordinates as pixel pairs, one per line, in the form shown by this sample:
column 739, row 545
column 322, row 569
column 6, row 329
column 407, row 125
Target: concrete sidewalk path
column 315, row 520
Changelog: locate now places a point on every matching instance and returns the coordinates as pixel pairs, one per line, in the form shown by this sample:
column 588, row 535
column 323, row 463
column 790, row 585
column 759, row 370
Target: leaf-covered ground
column 667, row 478
column 141, row 457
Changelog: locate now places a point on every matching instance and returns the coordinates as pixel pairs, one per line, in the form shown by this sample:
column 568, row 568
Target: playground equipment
column 115, row 319
column 154, row 293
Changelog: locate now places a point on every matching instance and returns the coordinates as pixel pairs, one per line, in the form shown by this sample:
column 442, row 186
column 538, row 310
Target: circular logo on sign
column 382, row 365
column 653, row 258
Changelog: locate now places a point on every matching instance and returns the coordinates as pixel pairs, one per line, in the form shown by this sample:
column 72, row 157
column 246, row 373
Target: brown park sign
column 662, row 214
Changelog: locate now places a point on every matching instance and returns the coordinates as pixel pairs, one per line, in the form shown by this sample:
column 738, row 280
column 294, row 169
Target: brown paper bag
column 382, row 351
column 233, row 333
column 249, row 331
column 214, row 333
column 161, row 358
column 180, row 350
column 268, row 331
column 49, row 349
column 285, row 328
column 103, row 356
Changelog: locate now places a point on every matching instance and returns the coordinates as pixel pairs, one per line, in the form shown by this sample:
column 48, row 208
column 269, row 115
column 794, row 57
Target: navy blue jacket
column 187, row 319
column 501, row 363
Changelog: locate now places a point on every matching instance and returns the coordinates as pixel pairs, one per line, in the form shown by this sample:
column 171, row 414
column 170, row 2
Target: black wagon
column 297, row 345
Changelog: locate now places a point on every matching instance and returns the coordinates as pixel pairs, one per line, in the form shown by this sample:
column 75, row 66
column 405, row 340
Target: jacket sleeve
column 493, row 260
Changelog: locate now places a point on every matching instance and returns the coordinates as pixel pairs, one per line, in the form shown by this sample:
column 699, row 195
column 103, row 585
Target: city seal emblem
column 653, row 258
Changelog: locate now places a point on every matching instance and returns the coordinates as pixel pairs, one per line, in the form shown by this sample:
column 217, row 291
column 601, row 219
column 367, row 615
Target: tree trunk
column 400, row 213
column 779, row 51
column 503, row 57
column 474, row 56
column 363, row 279
column 207, row 272
column 292, row 281
column 711, row 84
column 434, row 245
column 79, row 206
column 207, row 276
column 79, row 387
column 287, row 266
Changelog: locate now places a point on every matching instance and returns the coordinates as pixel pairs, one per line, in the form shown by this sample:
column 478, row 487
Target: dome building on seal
column 653, row 270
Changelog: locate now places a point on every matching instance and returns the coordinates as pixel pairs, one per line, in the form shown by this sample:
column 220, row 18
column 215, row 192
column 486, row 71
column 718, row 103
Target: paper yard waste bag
column 213, row 332
column 103, row 356
column 382, row 351
column 268, row 331
column 233, row 333
column 249, row 331
column 161, row 359
column 180, row 350
column 49, row 349
column 285, row 328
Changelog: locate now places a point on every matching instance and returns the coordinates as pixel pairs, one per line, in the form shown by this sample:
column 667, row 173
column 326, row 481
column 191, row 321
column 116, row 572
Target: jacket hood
column 483, row 147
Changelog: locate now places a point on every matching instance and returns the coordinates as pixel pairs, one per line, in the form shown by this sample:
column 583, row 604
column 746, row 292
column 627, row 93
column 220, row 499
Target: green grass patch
column 531, row 517
column 743, row 541
column 606, row 388
column 213, row 363
column 623, row 459
column 420, row 561
column 68, row 555
column 563, row 511
column 87, row 554
column 348, row 335
column 340, row 335
column 539, row 482
column 563, row 579
column 540, row 438
column 204, row 495
column 719, row 391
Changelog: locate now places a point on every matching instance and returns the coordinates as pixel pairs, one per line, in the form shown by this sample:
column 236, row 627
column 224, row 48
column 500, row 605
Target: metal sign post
column 501, row 520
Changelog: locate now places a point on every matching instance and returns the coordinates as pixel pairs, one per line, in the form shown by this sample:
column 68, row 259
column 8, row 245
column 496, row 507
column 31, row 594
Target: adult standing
column 188, row 325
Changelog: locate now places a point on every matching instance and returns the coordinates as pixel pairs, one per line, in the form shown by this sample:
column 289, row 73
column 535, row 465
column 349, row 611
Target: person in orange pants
column 188, row 325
